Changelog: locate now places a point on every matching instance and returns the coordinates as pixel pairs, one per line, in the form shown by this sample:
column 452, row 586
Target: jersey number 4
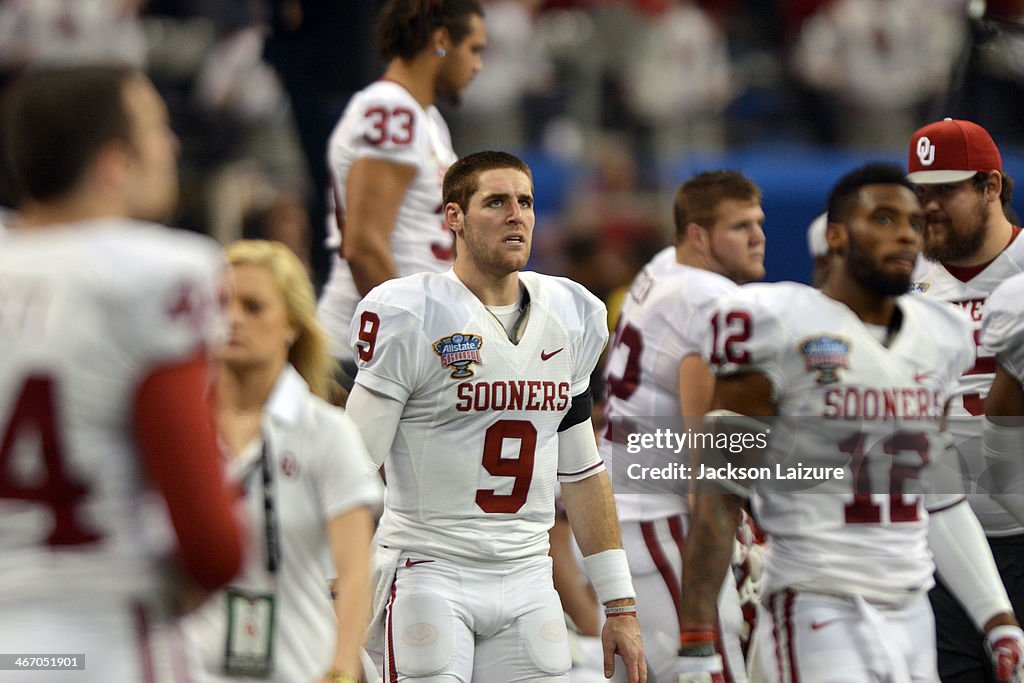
column 35, row 410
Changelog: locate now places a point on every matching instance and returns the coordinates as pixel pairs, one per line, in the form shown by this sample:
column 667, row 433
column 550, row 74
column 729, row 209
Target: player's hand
column 621, row 636
column 699, row 664
column 1005, row 647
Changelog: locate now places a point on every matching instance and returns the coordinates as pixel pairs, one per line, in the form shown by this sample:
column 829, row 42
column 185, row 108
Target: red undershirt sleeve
column 174, row 428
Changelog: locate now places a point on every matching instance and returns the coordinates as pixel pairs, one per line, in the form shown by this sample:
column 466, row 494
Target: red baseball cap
column 949, row 151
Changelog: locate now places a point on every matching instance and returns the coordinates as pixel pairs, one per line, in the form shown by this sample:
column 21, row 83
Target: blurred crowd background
column 612, row 103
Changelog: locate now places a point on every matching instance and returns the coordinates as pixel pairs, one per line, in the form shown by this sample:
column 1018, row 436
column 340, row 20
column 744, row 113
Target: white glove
column 1005, row 648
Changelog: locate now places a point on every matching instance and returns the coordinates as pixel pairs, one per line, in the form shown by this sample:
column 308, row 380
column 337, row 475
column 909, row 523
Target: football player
column 473, row 391
column 388, row 155
column 863, row 373
column 655, row 370
column 970, row 246
column 105, row 324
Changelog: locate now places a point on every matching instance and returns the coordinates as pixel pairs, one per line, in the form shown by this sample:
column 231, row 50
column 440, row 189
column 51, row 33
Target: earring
column 441, row 52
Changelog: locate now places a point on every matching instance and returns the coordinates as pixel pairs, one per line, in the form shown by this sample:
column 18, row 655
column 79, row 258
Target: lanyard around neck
column 271, row 536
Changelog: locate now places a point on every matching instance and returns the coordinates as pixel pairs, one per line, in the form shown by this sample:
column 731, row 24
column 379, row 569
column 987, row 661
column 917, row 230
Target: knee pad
column 546, row 639
column 422, row 630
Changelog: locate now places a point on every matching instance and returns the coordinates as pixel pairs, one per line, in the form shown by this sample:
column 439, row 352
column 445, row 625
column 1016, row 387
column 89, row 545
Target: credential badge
column 826, row 355
column 458, row 351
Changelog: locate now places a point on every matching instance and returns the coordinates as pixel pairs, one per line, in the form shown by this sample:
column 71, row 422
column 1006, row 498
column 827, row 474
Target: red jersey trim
column 583, row 471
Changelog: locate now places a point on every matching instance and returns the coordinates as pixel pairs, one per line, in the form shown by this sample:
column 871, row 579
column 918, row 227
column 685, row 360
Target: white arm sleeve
column 1003, row 447
column 964, row 561
column 577, row 453
column 376, row 416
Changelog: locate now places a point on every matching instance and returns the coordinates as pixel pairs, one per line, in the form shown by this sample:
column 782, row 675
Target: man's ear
column 454, row 217
column 114, row 164
column 440, row 41
column 994, row 185
column 698, row 236
column 837, row 237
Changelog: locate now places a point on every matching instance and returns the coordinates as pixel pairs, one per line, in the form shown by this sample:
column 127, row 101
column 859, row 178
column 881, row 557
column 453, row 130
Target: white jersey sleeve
column 747, row 333
column 587, row 320
column 1002, row 329
column 385, row 125
column 387, row 339
column 703, row 291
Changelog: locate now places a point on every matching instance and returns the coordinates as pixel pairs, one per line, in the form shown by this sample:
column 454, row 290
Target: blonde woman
column 308, row 488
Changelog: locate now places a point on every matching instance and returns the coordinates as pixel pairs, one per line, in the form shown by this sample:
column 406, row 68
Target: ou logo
column 925, row 151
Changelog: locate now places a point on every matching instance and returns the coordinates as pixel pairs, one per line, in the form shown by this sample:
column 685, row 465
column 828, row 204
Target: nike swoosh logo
column 815, row 625
column 413, row 563
column 921, row 376
column 545, row 356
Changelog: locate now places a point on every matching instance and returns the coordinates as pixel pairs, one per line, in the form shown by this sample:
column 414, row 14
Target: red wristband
column 702, row 633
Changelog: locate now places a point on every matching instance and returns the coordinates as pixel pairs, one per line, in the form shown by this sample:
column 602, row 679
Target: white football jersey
column 664, row 319
column 848, row 402
column 384, row 121
column 87, row 312
column 472, row 470
column 933, row 280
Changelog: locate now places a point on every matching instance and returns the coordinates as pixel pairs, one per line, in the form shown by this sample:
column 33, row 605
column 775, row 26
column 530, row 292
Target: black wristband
column 698, row 650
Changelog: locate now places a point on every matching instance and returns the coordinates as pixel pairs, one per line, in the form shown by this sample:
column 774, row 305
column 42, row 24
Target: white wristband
column 609, row 573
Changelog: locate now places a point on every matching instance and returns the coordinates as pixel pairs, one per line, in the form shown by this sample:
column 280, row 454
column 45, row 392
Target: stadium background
column 612, row 102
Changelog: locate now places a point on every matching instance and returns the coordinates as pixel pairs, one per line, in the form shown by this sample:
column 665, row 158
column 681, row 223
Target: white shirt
column 933, row 280
column 854, row 404
column 384, row 121
column 320, row 471
column 87, row 312
column 664, row 319
column 473, row 465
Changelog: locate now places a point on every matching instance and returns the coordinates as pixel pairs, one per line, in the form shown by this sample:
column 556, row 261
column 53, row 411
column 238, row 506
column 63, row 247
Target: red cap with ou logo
column 949, row 151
